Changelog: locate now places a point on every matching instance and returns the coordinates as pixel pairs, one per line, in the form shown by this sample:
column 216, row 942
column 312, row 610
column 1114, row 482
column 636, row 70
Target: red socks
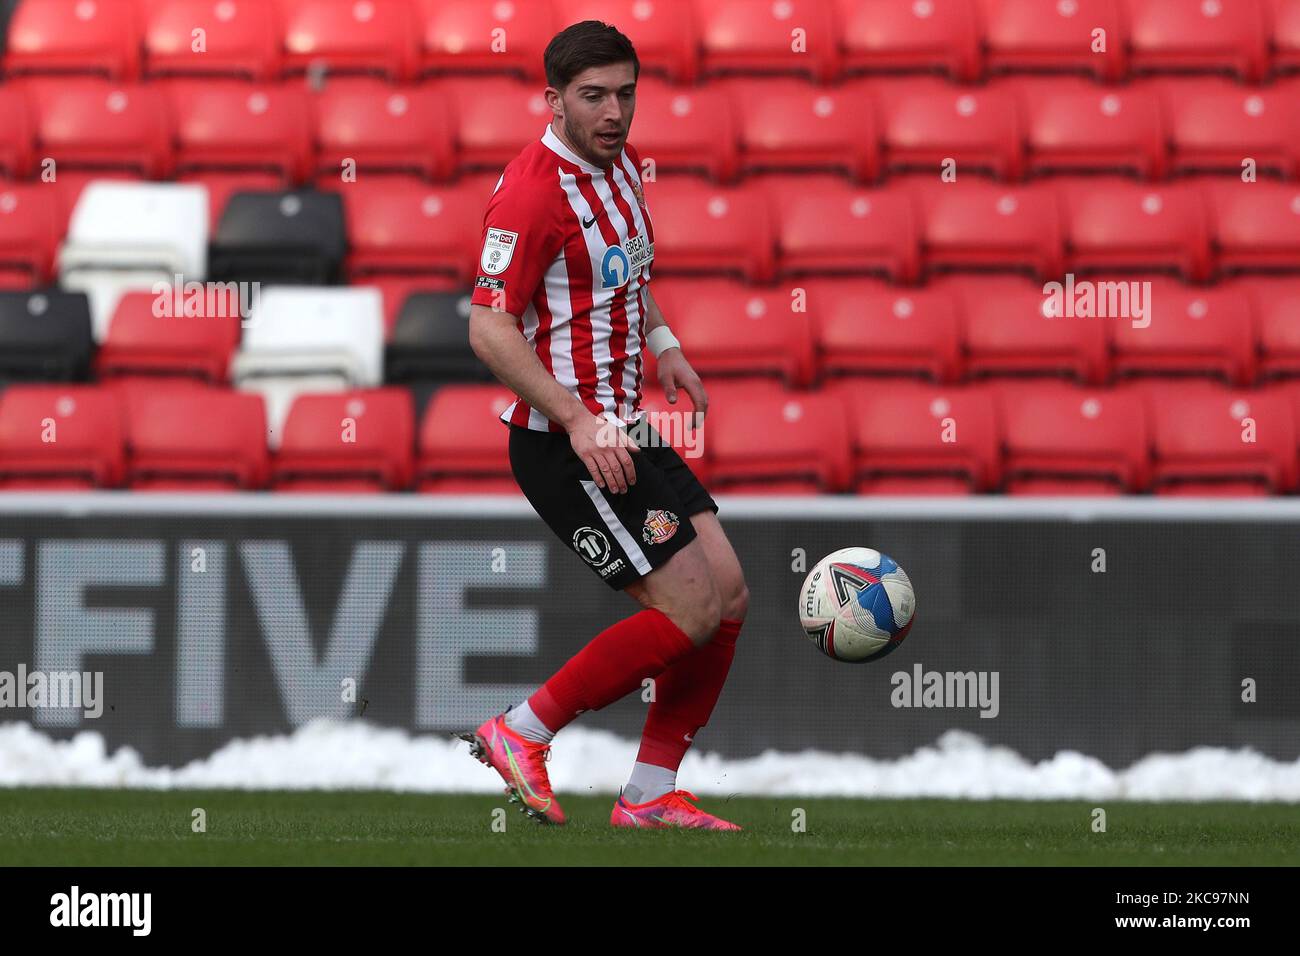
column 685, row 695
column 612, row 665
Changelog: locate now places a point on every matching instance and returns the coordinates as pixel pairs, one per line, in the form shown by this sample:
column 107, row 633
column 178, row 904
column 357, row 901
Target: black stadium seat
column 431, row 341
column 45, row 336
column 295, row 236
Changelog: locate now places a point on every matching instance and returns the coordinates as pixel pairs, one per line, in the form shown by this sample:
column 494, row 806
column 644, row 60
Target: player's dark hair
column 584, row 45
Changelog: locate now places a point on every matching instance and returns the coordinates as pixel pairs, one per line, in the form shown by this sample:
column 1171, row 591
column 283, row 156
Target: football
column 856, row 605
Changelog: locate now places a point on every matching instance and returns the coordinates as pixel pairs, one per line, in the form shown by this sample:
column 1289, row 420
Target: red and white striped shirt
column 567, row 248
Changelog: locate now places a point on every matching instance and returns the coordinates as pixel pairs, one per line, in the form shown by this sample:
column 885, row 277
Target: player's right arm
column 523, row 231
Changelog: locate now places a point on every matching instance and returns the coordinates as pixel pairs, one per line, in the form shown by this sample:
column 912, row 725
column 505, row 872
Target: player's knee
column 698, row 613
column 735, row 603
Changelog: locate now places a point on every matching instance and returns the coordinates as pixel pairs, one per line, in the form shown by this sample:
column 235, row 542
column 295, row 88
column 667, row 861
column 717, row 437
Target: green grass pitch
column 81, row 827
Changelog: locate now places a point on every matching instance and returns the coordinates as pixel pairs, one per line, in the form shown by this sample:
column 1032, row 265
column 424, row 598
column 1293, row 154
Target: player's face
column 596, row 111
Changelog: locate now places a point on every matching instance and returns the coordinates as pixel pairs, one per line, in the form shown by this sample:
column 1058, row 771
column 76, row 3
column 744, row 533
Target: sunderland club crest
column 659, row 526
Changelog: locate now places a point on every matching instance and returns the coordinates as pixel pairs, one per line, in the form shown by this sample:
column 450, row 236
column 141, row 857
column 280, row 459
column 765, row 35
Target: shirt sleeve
column 522, row 235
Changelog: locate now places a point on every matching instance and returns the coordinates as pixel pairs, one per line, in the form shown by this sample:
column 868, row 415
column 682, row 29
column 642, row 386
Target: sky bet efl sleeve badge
column 497, row 251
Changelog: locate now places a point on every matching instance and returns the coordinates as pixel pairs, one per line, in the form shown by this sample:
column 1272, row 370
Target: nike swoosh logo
column 588, row 223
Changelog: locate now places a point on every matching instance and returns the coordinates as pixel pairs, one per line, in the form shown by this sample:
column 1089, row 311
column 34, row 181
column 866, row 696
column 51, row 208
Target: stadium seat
column 375, row 36
column 195, row 335
column 296, row 237
column 1115, row 224
column 468, row 36
column 462, row 447
column 1034, row 35
column 238, row 39
column 383, row 128
column 792, row 36
column 29, row 230
column 192, row 438
column 662, row 32
column 17, row 134
column 926, row 123
column 1284, row 21
column 431, row 341
column 222, row 186
column 976, row 224
column 804, row 446
column 729, row 330
column 1198, row 35
column 920, row 439
column 1011, row 327
column 827, row 226
column 1215, row 124
column 399, row 224
column 354, row 441
column 496, row 117
column 1060, row 439
column 793, row 125
column 98, row 124
column 1275, row 302
column 1256, row 226
column 226, row 125
column 892, row 35
column 60, row 437
column 1189, row 331
column 702, row 228
column 73, row 36
column 686, row 128
column 866, row 327
column 1073, row 125
column 397, row 289
column 1223, row 442
column 45, row 336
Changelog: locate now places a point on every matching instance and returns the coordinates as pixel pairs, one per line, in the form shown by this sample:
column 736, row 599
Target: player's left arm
column 674, row 371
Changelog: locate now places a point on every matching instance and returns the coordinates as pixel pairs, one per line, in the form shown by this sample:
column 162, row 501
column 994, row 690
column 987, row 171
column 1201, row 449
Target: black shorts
column 622, row 537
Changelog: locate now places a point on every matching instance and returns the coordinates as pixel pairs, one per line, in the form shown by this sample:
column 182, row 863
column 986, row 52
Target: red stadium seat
column 496, row 118
column 761, row 440
column 198, row 340
column 792, row 125
column 227, row 125
column 188, row 437
column 398, row 224
column 925, row 123
column 1114, row 224
column 384, row 128
column 60, row 437
column 1010, row 326
column 1055, row 36
column 702, row 228
column 911, row 35
column 919, row 439
column 866, row 327
column 98, row 124
column 369, row 36
column 1284, row 21
column 30, row 229
column 790, row 36
column 463, row 449
column 469, row 36
column 357, row 441
column 1201, row 35
column 1217, row 441
column 17, row 134
column 1256, row 226
column 826, row 226
column 1189, row 331
column 75, row 36
column 686, row 128
column 238, row 39
column 973, row 223
column 1064, row 440
column 663, row 32
column 1276, row 304
column 1215, row 124
column 221, row 186
column 1074, row 125
column 728, row 329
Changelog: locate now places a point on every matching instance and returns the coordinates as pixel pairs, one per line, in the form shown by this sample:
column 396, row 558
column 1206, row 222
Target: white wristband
column 660, row 340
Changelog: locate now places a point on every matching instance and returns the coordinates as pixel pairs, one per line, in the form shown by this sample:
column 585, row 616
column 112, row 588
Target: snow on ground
column 356, row 755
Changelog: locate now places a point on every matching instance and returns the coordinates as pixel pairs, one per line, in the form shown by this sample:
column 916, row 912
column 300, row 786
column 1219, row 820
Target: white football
column 856, row 605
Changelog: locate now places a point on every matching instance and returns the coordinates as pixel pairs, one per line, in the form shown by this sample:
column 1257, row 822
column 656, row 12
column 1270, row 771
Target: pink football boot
column 672, row 810
column 522, row 765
